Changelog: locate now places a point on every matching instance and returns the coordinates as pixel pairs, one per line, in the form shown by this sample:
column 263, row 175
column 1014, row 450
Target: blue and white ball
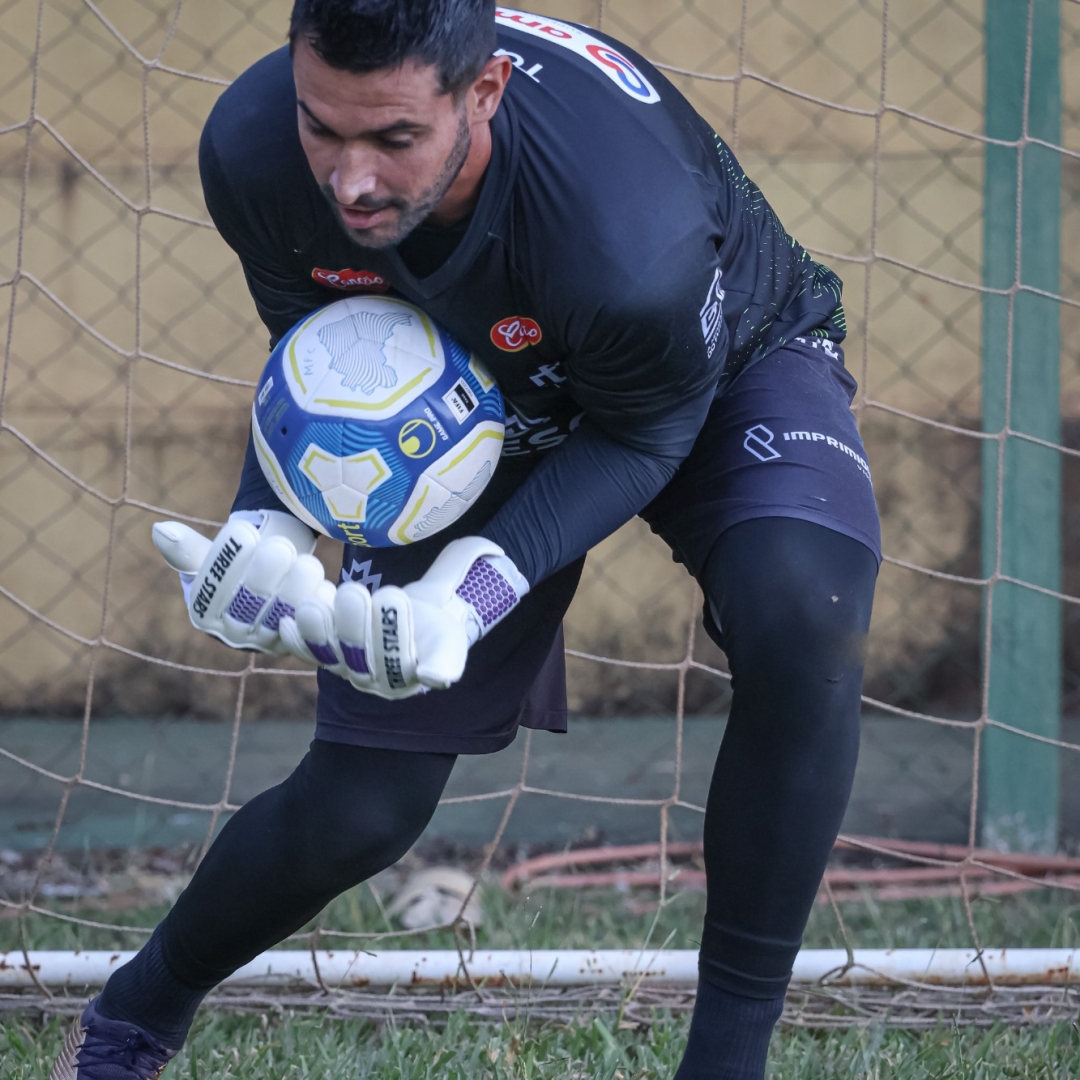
column 374, row 425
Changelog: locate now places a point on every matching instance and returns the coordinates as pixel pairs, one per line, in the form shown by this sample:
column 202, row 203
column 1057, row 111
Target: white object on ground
column 434, row 897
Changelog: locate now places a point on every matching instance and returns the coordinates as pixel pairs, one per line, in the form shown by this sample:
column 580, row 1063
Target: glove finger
column 301, row 582
column 352, row 617
column 441, row 646
column 181, row 547
column 267, row 567
column 393, row 648
column 315, row 622
column 221, row 574
column 291, row 641
column 304, row 579
column 273, row 559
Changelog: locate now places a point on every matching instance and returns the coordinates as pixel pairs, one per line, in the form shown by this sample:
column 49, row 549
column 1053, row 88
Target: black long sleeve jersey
column 619, row 270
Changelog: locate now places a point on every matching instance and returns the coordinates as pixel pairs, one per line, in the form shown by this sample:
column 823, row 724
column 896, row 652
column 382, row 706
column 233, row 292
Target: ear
column 484, row 95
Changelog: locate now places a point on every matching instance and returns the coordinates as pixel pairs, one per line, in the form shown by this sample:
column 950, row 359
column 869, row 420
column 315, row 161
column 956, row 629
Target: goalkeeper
column 664, row 349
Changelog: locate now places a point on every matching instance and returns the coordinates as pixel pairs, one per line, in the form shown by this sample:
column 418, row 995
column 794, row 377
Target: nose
column 354, row 176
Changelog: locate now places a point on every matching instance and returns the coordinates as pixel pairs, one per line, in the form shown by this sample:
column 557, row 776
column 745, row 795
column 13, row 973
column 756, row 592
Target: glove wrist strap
column 492, row 587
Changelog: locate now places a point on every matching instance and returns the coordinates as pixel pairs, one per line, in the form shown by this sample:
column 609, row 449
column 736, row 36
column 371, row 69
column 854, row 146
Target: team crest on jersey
column 351, row 280
column 516, row 333
column 613, row 64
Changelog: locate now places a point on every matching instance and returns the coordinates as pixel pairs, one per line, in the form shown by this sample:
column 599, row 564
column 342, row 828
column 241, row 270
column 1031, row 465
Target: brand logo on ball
column 351, row 280
column 460, row 401
column 417, row 439
column 264, row 393
column 516, row 333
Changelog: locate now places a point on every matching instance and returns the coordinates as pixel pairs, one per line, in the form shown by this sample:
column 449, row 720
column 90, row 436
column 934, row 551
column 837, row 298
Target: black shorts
column 780, row 443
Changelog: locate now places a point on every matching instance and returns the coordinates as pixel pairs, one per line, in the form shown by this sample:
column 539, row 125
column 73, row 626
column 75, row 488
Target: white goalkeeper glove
column 403, row 641
column 242, row 585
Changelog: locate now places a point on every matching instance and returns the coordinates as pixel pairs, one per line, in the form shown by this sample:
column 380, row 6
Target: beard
column 410, row 212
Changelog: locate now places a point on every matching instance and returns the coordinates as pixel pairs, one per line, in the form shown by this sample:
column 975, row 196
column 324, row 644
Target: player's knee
column 793, row 601
column 359, row 821
column 806, row 635
column 385, row 831
column 346, row 841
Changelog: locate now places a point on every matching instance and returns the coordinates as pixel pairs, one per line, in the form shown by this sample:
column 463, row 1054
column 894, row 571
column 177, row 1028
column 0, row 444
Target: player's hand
column 471, row 587
column 399, row 642
column 242, row 585
column 345, row 633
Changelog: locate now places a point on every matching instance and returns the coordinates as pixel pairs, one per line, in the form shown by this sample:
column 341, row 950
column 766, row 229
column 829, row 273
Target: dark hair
column 456, row 37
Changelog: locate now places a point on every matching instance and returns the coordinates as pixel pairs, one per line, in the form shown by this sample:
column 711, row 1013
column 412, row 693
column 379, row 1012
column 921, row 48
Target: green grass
column 308, row 1047
column 308, row 1044
column 593, row 918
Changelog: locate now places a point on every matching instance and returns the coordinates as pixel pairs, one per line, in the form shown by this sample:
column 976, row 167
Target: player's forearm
column 586, row 489
column 255, row 492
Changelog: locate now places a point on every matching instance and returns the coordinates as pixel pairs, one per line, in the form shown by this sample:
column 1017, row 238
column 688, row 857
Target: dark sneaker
column 101, row 1049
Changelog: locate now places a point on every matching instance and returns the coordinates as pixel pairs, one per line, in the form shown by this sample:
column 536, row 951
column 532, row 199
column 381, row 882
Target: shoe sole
column 67, row 1065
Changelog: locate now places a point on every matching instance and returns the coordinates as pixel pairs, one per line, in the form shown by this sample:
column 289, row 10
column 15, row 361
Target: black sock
column 145, row 992
column 729, row 1035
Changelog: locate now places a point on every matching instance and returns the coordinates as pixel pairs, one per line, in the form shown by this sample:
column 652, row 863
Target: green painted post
column 1020, row 777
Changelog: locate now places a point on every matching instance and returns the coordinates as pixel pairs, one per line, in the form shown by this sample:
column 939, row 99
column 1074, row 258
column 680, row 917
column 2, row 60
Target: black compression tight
column 346, row 813
column 793, row 601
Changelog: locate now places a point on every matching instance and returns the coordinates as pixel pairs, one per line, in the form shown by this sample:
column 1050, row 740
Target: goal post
column 1021, row 377
column 564, row 968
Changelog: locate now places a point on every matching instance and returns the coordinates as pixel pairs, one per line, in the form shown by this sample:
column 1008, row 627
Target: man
column 664, row 348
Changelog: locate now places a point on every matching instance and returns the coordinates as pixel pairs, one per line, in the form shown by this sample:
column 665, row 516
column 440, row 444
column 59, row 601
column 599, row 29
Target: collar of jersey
column 498, row 182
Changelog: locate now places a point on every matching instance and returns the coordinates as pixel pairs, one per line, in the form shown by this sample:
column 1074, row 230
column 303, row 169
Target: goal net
column 927, row 150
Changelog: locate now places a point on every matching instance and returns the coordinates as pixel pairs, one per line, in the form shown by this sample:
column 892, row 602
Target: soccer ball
column 373, row 425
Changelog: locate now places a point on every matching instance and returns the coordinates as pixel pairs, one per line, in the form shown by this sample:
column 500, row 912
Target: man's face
column 385, row 147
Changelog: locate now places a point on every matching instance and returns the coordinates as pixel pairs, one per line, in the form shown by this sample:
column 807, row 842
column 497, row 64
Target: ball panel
column 450, row 485
column 370, row 356
column 364, row 472
column 345, row 483
column 275, row 476
column 457, row 469
column 322, row 468
column 426, row 496
column 345, row 503
column 479, row 373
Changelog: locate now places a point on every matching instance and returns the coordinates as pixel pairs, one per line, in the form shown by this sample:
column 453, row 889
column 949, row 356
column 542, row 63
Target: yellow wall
column 99, row 433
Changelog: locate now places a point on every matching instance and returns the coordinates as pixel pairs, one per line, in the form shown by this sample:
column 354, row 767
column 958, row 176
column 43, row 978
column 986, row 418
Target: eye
column 317, row 129
column 396, row 144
